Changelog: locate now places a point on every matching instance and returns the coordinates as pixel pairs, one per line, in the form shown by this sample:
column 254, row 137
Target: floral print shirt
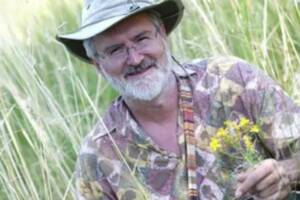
column 118, row 160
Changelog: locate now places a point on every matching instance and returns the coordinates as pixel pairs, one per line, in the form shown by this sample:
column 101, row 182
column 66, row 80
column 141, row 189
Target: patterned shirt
column 118, row 160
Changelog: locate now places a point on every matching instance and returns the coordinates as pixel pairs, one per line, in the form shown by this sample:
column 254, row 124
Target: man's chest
column 164, row 135
column 149, row 171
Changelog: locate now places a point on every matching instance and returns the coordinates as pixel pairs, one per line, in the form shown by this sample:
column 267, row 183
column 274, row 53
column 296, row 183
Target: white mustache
column 137, row 68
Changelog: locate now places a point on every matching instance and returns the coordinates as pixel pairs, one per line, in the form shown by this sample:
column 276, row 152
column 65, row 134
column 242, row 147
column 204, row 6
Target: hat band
column 120, row 9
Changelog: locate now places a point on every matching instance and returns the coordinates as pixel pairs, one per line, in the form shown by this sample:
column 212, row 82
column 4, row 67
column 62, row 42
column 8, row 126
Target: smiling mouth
column 136, row 70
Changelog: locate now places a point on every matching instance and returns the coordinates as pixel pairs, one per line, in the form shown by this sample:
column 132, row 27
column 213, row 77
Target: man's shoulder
column 109, row 121
column 98, row 131
column 229, row 67
column 223, row 62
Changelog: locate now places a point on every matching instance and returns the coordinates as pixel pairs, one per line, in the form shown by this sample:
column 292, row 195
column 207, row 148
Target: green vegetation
column 49, row 100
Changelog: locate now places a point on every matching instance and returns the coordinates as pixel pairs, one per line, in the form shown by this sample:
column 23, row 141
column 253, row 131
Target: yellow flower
column 224, row 136
column 227, row 123
column 244, row 122
column 248, row 143
column 222, row 133
column 234, row 126
column 254, row 129
column 215, row 144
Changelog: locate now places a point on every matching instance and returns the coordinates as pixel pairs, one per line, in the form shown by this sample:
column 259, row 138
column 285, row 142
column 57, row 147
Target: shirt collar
column 182, row 70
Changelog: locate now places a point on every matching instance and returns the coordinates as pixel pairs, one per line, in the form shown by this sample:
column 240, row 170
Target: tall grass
column 266, row 33
column 49, row 100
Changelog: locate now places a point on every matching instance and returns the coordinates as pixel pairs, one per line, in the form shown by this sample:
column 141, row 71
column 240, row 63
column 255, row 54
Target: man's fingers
column 241, row 177
column 268, row 181
column 254, row 177
column 270, row 191
column 271, row 179
column 280, row 195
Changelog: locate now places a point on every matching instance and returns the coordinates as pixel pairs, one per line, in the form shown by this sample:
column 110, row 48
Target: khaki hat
column 99, row 15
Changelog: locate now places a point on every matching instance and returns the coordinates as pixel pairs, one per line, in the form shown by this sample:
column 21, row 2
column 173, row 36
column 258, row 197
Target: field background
column 49, row 100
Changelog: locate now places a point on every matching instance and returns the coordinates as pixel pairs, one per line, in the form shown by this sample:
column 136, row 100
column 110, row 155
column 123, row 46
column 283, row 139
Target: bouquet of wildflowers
column 234, row 147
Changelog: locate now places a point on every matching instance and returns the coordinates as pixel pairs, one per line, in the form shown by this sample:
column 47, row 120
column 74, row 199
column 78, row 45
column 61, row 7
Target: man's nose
column 134, row 56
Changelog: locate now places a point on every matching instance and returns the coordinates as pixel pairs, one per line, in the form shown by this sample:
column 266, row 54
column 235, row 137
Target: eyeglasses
column 118, row 52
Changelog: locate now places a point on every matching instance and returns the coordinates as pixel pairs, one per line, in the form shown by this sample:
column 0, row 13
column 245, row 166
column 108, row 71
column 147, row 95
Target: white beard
column 145, row 88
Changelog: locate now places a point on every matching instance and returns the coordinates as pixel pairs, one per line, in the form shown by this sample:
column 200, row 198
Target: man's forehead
column 126, row 29
column 141, row 20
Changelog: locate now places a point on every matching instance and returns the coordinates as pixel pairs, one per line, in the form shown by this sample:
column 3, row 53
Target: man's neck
column 159, row 109
column 158, row 117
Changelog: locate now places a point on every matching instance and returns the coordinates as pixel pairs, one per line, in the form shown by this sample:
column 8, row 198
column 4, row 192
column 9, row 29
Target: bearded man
column 153, row 141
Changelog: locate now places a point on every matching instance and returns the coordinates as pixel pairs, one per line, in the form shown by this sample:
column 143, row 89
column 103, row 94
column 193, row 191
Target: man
column 153, row 142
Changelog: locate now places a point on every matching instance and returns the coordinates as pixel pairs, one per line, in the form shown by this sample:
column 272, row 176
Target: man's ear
column 162, row 30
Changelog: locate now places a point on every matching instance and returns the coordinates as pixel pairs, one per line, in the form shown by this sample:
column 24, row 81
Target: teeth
column 139, row 69
column 144, row 66
column 131, row 70
column 134, row 70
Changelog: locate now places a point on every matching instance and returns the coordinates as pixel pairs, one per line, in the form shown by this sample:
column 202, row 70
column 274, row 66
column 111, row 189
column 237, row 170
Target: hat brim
column 170, row 11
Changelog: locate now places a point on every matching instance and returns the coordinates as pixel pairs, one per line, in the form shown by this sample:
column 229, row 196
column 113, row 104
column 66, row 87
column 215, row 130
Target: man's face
column 134, row 57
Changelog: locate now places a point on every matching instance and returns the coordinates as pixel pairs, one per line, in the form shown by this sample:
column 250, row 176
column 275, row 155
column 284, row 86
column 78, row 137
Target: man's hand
column 267, row 181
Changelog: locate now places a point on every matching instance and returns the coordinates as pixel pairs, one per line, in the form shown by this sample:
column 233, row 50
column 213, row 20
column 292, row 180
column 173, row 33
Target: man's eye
column 115, row 51
column 141, row 39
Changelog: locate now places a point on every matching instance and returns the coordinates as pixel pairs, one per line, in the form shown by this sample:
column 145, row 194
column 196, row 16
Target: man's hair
column 90, row 48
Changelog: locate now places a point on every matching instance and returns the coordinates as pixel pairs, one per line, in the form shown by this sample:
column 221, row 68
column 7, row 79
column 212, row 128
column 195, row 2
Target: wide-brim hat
column 100, row 15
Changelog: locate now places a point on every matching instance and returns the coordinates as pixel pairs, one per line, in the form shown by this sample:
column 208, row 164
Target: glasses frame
column 140, row 43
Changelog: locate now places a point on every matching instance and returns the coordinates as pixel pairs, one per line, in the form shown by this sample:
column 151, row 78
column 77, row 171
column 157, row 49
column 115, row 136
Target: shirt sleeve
column 276, row 113
column 91, row 184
